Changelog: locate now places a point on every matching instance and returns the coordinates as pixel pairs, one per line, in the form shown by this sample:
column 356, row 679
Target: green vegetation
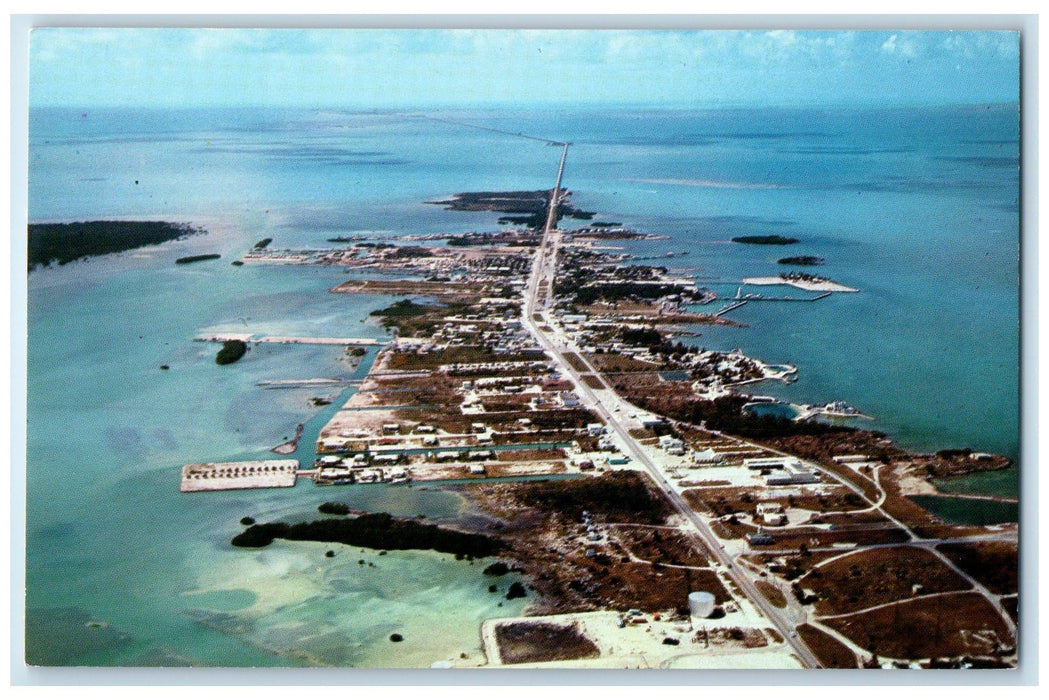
column 334, row 508
column 374, row 530
column 405, row 308
column 802, row 260
column 641, row 336
column 765, row 240
column 532, row 205
column 263, row 243
column 517, row 590
column 622, row 496
column 803, row 277
column 232, row 350
column 615, row 291
column 63, row 243
column 497, row 569
column 726, row 415
column 511, row 238
column 197, row 258
column 408, row 317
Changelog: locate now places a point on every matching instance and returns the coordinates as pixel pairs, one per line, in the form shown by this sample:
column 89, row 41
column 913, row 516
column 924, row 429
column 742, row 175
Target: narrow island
column 802, row 260
column 231, row 351
column 801, row 280
column 533, row 353
column 64, row 243
column 524, row 207
column 333, row 508
column 376, row 531
column 765, row 240
column 197, row 258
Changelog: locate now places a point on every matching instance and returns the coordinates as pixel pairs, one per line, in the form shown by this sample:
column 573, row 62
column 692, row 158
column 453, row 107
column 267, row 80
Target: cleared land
column 771, row 593
column 570, row 572
column 533, row 642
column 993, row 564
column 878, row 576
column 956, row 624
column 830, row 652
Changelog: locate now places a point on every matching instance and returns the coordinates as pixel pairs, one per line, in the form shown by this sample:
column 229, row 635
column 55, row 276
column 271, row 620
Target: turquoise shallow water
column 915, row 208
column 969, row 511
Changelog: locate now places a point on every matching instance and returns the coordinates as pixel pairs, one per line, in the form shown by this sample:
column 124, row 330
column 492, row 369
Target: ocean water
column 916, row 208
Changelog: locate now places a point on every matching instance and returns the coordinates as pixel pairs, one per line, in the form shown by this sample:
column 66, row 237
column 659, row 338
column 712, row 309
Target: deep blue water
column 916, row 208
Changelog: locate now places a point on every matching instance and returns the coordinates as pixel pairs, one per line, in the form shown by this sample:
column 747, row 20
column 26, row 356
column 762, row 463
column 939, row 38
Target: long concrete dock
column 226, row 476
column 285, row 339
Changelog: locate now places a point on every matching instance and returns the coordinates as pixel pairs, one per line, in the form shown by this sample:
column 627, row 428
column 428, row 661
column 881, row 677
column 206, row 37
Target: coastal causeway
column 535, row 351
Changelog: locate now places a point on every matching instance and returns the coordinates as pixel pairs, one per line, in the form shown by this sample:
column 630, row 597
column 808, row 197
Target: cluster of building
column 782, row 471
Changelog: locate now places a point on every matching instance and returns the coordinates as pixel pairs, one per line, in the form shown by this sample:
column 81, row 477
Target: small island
column 63, row 243
column 530, row 206
column 263, row 243
column 334, row 508
column 376, row 531
column 802, row 260
column 765, row 240
column 197, row 258
column 231, row 351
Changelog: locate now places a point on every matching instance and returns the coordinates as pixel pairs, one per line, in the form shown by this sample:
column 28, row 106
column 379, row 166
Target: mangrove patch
column 375, row 531
column 231, row 351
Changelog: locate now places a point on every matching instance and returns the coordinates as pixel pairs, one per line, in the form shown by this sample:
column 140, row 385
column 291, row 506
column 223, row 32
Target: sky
column 371, row 68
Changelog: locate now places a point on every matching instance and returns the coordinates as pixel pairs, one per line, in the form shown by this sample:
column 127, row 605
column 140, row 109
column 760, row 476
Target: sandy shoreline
column 807, row 285
column 911, row 484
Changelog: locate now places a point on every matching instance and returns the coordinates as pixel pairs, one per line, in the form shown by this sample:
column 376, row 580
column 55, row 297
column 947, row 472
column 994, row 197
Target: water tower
column 701, row 603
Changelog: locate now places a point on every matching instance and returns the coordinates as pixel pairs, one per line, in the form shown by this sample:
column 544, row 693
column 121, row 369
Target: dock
column 730, row 307
column 228, row 476
column 742, row 299
column 306, row 383
column 286, row 339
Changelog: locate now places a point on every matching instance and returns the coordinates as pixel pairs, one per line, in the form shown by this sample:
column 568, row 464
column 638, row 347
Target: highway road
column 543, row 272
column 611, row 409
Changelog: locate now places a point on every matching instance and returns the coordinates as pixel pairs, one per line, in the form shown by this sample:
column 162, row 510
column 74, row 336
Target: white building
column 707, row 456
column 671, row 445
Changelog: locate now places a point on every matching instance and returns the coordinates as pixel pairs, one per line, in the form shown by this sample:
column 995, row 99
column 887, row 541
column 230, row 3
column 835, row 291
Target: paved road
column 609, row 409
column 543, row 271
column 913, row 539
